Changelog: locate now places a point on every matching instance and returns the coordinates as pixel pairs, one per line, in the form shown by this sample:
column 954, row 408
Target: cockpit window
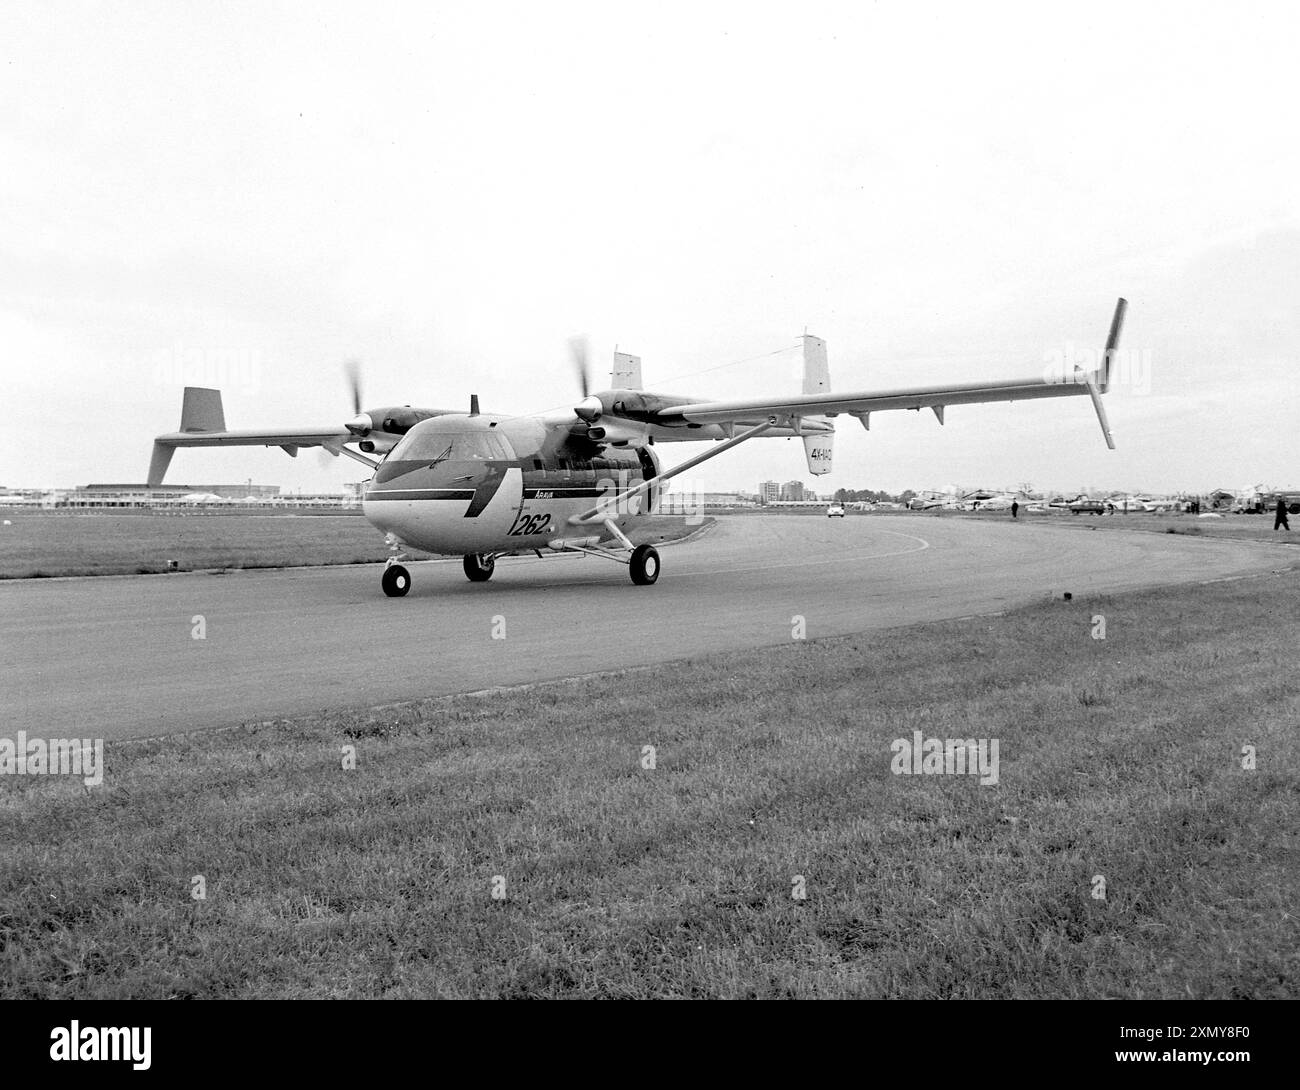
column 435, row 442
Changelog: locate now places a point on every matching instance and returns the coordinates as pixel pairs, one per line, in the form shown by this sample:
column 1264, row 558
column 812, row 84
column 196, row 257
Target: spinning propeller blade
column 589, row 408
column 360, row 424
column 352, row 371
column 578, row 350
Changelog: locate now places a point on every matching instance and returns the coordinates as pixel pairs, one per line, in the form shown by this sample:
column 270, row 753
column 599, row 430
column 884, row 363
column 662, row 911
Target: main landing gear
column 479, row 567
column 644, row 565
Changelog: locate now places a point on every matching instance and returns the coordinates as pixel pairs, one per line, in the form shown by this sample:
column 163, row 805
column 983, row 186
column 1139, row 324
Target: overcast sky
column 246, row 195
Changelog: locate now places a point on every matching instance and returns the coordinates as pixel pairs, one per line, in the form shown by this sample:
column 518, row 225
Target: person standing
column 1015, row 508
column 1279, row 518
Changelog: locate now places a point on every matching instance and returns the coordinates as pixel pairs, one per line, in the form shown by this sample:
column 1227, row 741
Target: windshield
column 435, row 442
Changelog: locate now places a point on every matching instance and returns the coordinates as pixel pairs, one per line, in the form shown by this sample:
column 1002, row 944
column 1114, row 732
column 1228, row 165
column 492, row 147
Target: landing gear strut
column 396, row 581
column 479, row 566
column 642, row 563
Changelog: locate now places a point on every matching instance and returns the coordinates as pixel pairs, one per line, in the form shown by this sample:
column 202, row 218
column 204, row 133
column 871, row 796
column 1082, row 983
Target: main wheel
column 479, row 567
column 396, row 581
column 644, row 565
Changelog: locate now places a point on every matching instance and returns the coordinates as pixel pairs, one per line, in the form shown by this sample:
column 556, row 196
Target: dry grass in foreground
column 1120, row 758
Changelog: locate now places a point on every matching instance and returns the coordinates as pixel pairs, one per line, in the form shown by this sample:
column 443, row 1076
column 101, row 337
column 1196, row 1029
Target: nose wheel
column 396, row 581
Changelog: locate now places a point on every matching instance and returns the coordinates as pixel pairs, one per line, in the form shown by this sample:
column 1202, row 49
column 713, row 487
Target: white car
column 834, row 511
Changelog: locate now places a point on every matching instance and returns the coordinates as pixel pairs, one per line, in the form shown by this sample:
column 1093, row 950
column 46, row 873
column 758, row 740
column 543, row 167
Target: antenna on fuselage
column 473, row 404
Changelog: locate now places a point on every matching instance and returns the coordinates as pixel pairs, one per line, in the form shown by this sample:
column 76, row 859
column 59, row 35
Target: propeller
column 578, row 350
column 352, row 371
column 589, row 408
column 360, row 424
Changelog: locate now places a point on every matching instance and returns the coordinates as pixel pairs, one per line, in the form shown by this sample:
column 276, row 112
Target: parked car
column 834, row 511
column 1082, row 505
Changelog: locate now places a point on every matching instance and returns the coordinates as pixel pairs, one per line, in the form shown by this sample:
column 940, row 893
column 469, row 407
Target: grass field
column 1120, row 759
column 1229, row 527
column 37, row 544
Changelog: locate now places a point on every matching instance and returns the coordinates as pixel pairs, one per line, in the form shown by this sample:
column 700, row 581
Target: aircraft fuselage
column 489, row 484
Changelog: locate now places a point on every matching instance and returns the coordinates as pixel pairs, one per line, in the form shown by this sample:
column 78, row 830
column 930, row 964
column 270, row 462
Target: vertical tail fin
column 162, row 458
column 627, row 372
column 1098, row 382
column 201, row 410
column 1112, row 343
column 816, row 371
column 819, row 447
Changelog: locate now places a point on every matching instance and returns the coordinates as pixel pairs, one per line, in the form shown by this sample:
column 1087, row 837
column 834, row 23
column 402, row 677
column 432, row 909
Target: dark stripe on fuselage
column 420, row 494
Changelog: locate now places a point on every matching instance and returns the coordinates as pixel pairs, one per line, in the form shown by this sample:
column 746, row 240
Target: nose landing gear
column 396, row 580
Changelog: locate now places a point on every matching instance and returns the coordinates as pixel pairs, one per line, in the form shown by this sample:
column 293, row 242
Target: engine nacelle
column 618, row 433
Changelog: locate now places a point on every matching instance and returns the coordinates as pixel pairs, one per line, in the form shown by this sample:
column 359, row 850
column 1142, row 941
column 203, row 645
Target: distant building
column 121, row 495
column 680, row 503
column 174, row 497
column 94, row 497
column 769, row 492
column 793, row 491
column 142, row 495
column 26, row 497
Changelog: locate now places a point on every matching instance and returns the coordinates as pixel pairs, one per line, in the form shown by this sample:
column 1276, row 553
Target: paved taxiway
column 113, row 657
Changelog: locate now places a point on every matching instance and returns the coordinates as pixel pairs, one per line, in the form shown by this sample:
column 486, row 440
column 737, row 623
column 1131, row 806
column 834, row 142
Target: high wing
column 790, row 409
column 290, row 440
column 203, row 423
column 289, row 437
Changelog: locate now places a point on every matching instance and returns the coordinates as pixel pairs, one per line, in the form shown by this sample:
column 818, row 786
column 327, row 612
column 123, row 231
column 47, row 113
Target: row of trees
column 870, row 495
